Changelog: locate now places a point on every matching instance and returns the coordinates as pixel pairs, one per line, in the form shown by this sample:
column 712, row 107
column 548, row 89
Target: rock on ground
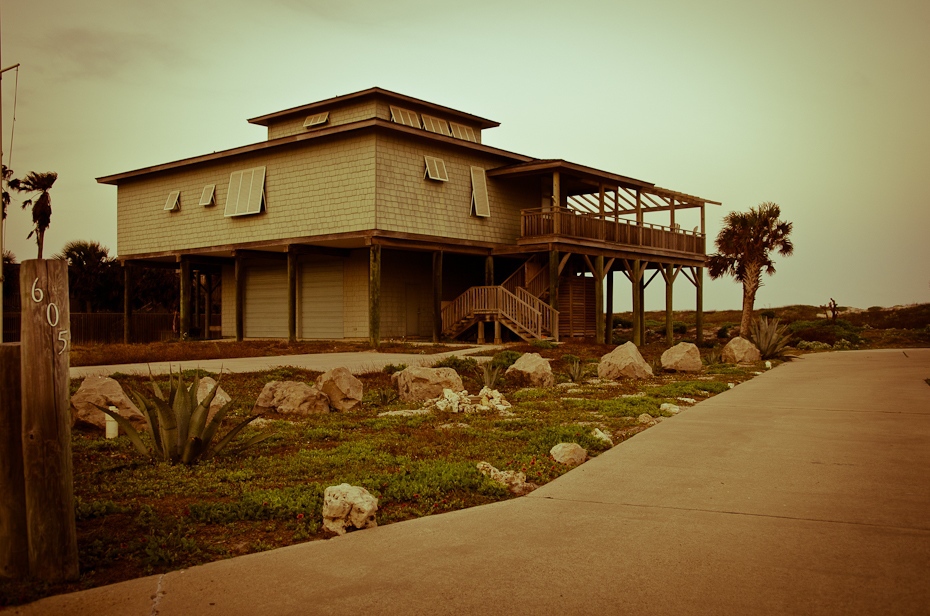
column 514, row 481
column 683, row 357
column 532, row 370
column 670, row 408
column 602, row 436
column 341, row 387
column 106, row 392
column 416, row 384
column 740, row 351
column 624, row 361
column 646, row 419
column 291, row 397
column 219, row 400
column 569, row 454
column 346, row 506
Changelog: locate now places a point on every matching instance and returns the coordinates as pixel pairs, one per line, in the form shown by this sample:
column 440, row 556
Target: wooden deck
column 539, row 226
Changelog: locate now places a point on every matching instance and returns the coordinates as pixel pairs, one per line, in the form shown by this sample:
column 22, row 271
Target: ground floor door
column 265, row 302
column 321, row 299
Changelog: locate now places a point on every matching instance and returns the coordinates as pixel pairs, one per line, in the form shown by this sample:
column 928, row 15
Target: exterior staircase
column 517, row 303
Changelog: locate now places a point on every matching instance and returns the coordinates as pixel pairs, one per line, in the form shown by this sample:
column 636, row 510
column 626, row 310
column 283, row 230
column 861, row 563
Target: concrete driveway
column 803, row 491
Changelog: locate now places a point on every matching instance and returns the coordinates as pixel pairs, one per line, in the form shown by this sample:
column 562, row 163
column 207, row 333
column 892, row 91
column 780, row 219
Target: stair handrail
column 549, row 316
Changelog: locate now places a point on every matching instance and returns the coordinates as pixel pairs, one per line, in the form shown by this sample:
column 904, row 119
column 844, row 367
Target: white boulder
column 683, row 357
column 533, row 370
column 341, row 387
column 416, row 384
column 514, row 481
column 624, row 361
column 569, row 454
column 602, row 436
column 291, row 397
column 646, row 419
column 670, row 408
column 106, row 392
column 346, row 506
column 740, row 351
column 220, row 399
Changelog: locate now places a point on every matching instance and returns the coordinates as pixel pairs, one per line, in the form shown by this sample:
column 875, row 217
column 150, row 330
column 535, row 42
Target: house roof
column 265, row 120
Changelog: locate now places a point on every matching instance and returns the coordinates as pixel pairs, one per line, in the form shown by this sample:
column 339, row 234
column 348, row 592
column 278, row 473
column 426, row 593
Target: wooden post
column 699, row 305
column 480, row 332
column 185, row 281
column 195, row 301
column 599, row 316
column 497, row 332
column 127, row 303
column 669, row 315
column 437, row 295
column 239, row 279
column 642, row 302
column 291, row 295
column 554, row 279
column 636, row 277
column 14, row 545
column 489, row 271
column 46, row 416
column 556, row 202
column 608, row 334
column 374, row 295
column 208, row 309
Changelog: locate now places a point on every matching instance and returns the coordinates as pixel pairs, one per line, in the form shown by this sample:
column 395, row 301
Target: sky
column 821, row 107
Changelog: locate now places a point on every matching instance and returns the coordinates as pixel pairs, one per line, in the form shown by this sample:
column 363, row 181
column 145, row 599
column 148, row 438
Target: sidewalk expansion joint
column 739, row 513
column 159, row 593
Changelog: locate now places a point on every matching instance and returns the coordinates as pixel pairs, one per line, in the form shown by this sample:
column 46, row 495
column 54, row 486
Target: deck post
column 489, row 271
column 636, row 277
column 669, row 276
column 437, row 295
column 480, row 332
column 554, row 279
column 599, row 316
column 291, row 294
column 642, row 303
column 14, row 544
column 127, row 304
column 195, row 300
column 239, row 280
column 374, row 295
column 699, row 305
column 556, row 203
column 497, row 332
column 208, row 309
column 608, row 330
column 185, row 282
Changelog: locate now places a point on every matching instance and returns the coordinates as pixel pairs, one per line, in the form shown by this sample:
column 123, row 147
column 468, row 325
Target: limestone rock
column 291, row 397
column 602, row 436
column 346, row 506
column 646, row 419
column 683, row 357
column 740, row 351
column 416, row 384
column 106, row 392
column 220, row 399
column 531, row 369
column 569, row 454
column 514, row 481
column 670, row 408
column 404, row 413
column 342, row 388
column 687, row 400
column 624, row 361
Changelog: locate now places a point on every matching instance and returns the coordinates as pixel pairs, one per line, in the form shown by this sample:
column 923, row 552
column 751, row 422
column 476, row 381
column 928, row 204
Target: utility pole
column 2, row 183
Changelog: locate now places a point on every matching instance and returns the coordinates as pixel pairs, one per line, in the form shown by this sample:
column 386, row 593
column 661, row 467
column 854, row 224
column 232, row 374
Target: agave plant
column 770, row 338
column 178, row 423
column 575, row 368
column 490, row 374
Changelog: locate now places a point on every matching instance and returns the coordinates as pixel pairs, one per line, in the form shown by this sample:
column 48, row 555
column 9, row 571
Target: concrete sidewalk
column 356, row 362
column 803, row 491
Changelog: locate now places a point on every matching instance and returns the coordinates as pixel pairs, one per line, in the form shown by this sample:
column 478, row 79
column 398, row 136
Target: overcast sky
column 821, row 107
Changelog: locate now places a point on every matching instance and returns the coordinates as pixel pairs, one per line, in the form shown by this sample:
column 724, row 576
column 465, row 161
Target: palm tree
column 93, row 275
column 744, row 245
column 39, row 184
column 5, row 176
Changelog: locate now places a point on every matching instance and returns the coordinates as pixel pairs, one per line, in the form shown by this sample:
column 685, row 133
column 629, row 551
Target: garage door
column 265, row 301
column 321, row 299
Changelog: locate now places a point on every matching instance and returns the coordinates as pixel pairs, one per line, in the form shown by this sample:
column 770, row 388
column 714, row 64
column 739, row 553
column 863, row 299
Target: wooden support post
column 185, row 282
column 127, row 303
column 489, row 271
column 669, row 315
column 208, row 309
column 49, row 481
column 599, row 316
column 480, row 332
column 195, row 301
column 497, row 332
column 642, row 303
column 374, row 295
column 636, row 278
column 291, row 295
column 556, row 203
column 239, row 279
column 554, row 279
column 699, row 305
column 437, row 295
column 608, row 334
column 14, row 544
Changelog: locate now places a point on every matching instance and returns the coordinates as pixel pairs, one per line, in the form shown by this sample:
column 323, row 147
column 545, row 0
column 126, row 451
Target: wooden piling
column 14, row 546
column 47, row 420
column 374, row 295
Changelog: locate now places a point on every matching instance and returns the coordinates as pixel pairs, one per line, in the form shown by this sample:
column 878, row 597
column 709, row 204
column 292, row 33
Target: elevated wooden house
column 377, row 215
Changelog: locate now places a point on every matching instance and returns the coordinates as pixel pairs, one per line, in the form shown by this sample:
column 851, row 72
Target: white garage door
column 265, row 301
column 321, row 299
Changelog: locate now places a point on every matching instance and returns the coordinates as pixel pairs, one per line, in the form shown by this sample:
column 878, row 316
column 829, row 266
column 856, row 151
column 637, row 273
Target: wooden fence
column 107, row 327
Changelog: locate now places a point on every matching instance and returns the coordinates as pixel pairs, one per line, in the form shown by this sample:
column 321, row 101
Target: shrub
column 178, row 423
column 575, row 367
column 462, row 365
column 680, row 328
column 392, row 368
column 617, row 338
column 505, row 359
column 621, row 322
column 543, row 344
column 490, row 374
column 768, row 314
column 804, row 345
column 875, row 308
column 723, row 332
column 770, row 338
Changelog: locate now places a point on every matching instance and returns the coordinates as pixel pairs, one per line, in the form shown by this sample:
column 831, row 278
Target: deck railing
column 570, row 223
column 492, row 300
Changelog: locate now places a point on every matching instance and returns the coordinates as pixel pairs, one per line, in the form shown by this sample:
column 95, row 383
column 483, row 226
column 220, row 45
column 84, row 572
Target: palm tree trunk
column 40, row 239
column 751, row 284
